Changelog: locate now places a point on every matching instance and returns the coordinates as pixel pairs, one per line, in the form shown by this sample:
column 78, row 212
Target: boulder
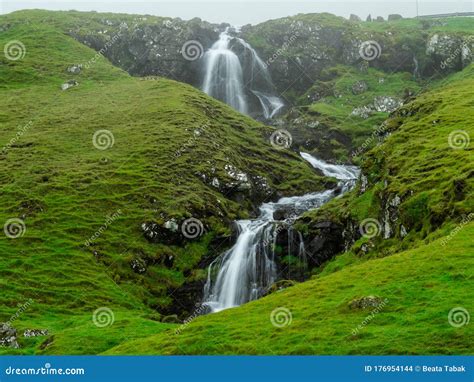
column 365, row 302
column 394, row 16
column 69, row 84
column 355, row 18
column 359, row 87
column 363, row 112
column 74, row 69
column 138, row 265
column 8, row 336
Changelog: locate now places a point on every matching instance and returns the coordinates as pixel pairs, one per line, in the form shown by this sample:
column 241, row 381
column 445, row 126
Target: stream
column 247, row 270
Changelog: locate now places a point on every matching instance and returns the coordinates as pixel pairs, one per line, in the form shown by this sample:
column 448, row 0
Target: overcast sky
column 240, row 12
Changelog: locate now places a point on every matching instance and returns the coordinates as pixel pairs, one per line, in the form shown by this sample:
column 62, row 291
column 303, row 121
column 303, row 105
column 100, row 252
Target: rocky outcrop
column 323, row 241
column 385, row 104
column 8, row 336
column 295, row 50
column 450, row 52
column 154, row 47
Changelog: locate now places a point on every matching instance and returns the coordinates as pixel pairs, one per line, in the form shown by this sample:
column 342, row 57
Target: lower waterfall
column 248, row 269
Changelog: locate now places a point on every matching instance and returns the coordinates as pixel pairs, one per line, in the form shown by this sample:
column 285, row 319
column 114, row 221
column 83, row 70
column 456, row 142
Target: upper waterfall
column 223, row 74
column 236, row 75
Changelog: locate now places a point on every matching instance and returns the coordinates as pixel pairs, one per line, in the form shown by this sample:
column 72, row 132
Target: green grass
column 421, row 286
column 416, row 163
column 334, row 110
column 64, row 189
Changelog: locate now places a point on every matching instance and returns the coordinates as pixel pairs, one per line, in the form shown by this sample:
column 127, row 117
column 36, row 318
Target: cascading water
column 225, row 79
column 248, row 269
column 223, row 74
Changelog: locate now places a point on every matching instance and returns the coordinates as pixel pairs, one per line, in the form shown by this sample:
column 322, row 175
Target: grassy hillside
column 421, row 287
column 425, row 161
column 429, row 273
column 82, row 268
column 83, row 201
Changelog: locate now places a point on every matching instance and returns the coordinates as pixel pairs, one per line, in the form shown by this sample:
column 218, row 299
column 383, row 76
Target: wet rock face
column 449, row 51
column 145, row 49
column 295, row 51
column 324, row 242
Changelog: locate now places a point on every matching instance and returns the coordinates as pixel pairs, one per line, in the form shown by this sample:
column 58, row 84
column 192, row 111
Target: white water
column 224, row 78
column 336, row 171
column 248, row 269
column 223, row 74
column 271, row 105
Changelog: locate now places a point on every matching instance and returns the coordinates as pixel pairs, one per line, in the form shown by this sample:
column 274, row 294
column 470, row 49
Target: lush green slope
column 426, row 162
column 169, row 142
column 429, row 274
column 166, row 137
column 421, row 287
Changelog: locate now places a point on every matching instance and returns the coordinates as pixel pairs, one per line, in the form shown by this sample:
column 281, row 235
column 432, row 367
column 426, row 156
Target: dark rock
column 323, row 242
column 48, row 341
column 138, row 265
column 184, row 299
column 380, row 19
column 355, row 18
column 394, row 17
column 156, row 233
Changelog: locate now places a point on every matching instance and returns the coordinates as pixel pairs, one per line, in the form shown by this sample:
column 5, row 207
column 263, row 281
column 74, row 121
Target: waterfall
column 223, row 74
column 248, row 269
column 225, row 79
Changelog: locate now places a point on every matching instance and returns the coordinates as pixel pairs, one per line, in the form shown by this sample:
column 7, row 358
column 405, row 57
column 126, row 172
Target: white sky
column 240, row 12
